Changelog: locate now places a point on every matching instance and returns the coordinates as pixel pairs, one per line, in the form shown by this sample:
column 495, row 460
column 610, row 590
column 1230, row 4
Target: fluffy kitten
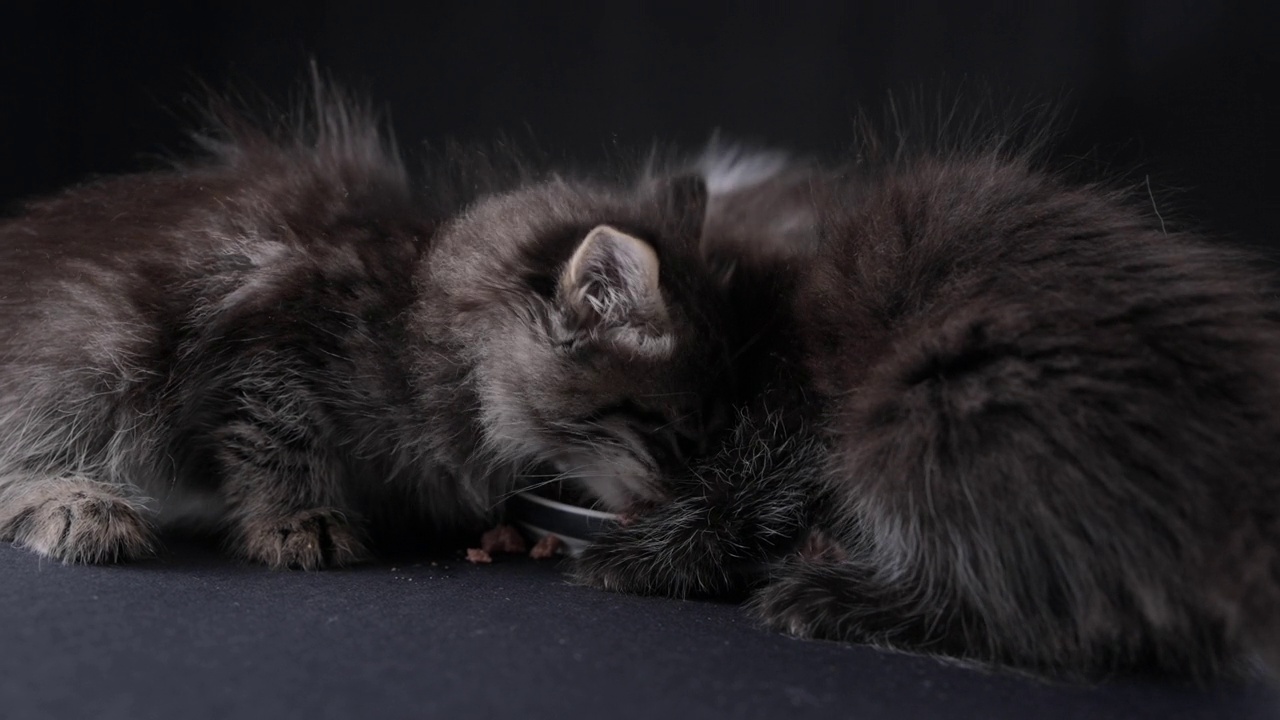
column 1012, row 422
column 285, row 339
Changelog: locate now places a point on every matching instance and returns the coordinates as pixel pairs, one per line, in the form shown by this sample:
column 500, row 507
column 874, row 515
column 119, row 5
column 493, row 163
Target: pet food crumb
column 477, row 556
column 502, row 539
column 547, row 547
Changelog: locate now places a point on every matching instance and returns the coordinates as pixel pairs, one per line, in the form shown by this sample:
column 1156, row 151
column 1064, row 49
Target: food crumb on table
column 548, row 546
column 502, row 539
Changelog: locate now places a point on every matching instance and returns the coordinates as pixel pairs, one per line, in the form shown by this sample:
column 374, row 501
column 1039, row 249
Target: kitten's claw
column 307, row 540
column 77, row 523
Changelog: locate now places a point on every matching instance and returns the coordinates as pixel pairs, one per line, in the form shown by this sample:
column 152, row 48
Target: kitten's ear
column 611, row 282
column 683, row 199
column 686, row 200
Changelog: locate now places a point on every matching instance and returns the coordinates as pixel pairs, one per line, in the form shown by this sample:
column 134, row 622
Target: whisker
column 660, row 428
column 551, row 478
column 512, row 493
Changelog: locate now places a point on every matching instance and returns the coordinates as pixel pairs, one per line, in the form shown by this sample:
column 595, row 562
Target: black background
column 1180, row 92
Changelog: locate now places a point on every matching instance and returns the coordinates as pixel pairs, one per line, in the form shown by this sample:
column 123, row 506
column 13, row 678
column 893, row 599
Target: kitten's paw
column 76, row 523
column 306, row 540
column 639, row 563
column 806, row 600
column 845, row 601
column 610, row 564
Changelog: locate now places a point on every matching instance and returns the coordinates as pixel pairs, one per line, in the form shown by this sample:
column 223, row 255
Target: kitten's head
column 597, row 337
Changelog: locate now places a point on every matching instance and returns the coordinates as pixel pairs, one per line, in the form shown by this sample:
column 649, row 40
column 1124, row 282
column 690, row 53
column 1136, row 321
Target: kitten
column 1011, row 422
column 284, row 339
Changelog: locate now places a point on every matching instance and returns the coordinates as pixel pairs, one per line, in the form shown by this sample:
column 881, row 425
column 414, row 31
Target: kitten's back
column 1058, row 419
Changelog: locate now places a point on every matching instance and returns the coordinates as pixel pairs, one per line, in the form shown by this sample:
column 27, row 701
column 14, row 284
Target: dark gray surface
column 194, row 636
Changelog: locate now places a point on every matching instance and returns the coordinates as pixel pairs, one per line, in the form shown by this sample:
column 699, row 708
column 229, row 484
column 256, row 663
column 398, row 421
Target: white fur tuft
column 729, row 168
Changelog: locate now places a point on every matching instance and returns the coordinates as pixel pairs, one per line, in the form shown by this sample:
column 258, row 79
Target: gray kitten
column 1001, row 417
column 286, row 340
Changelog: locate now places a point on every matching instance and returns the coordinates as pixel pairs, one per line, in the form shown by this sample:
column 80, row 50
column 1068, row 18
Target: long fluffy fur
column 1050, row 432
column 285, row 336
column 118, row 375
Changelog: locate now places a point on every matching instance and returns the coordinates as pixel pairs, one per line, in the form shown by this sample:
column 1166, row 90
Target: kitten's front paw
column 618, row 566
column 805, row 600
column 847, row 601
column 76, row 523
column 306, row 540
column 645, row 562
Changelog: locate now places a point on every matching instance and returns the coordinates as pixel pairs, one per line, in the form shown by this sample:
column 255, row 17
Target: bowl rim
column 566, row 507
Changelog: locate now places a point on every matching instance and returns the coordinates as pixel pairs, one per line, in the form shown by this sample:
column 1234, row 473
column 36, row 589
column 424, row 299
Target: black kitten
column 285, row 339
column 1012, row 421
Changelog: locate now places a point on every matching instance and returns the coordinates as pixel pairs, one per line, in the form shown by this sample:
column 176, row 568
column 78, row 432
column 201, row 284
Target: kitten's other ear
column 611, row 282
column 686, row 201
column 683, row 200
